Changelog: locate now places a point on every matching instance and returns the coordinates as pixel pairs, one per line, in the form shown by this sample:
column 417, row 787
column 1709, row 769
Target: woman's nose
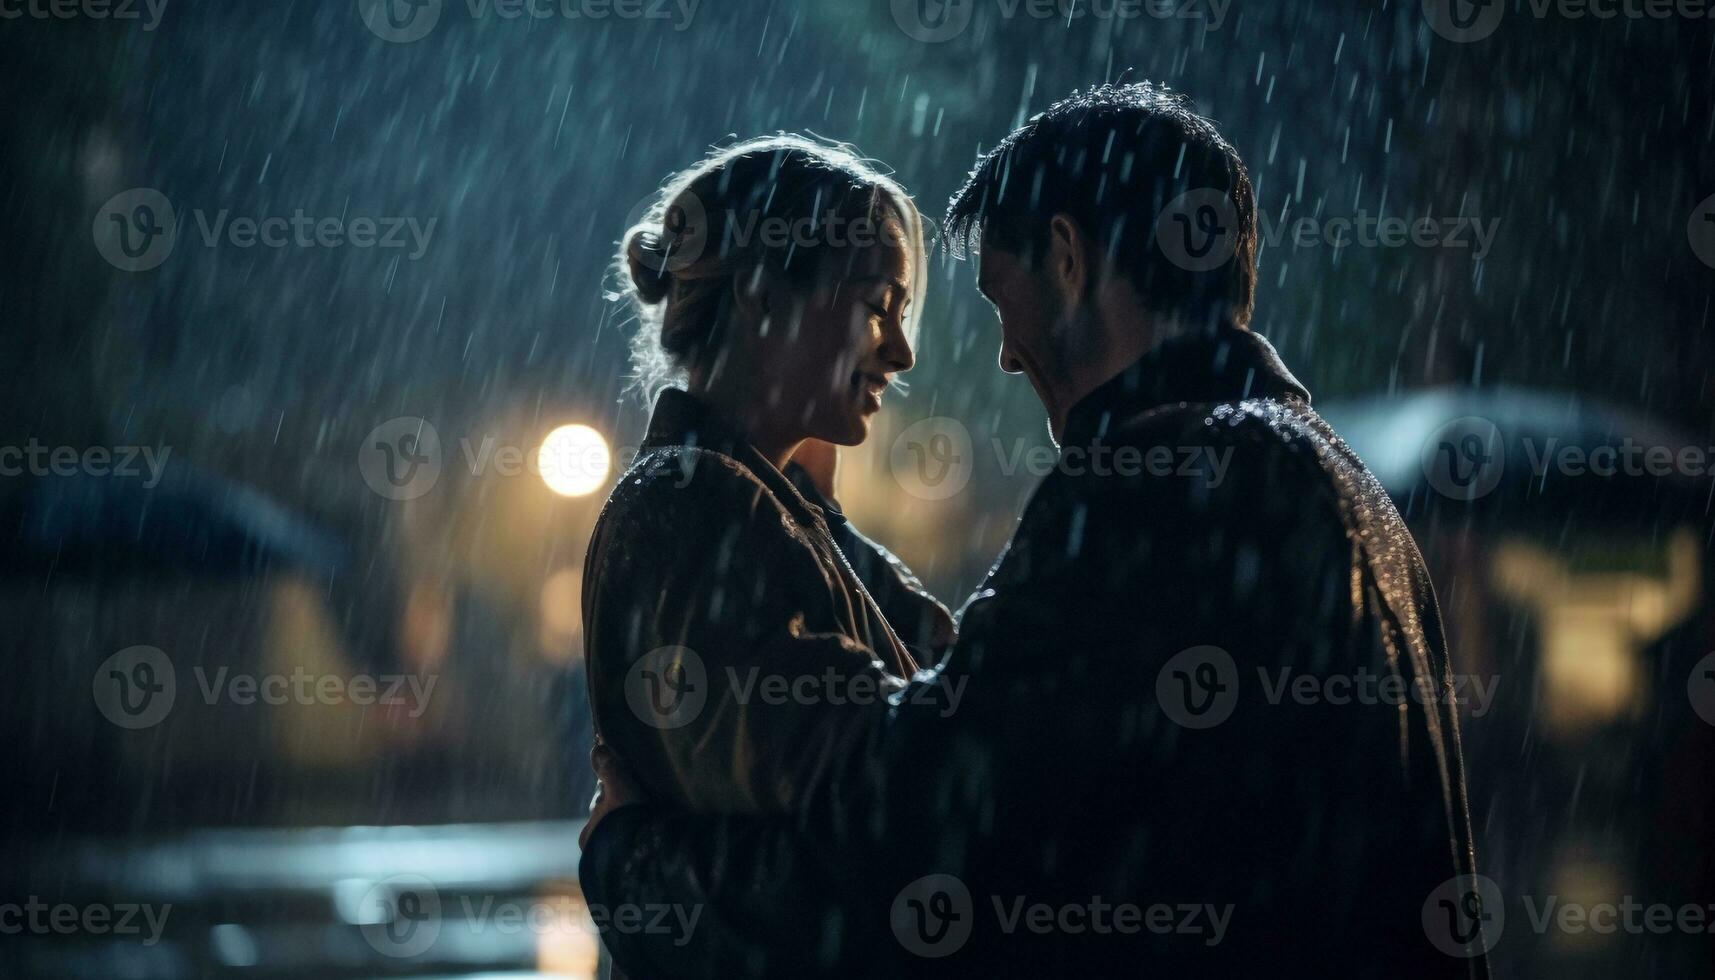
column 896, row 346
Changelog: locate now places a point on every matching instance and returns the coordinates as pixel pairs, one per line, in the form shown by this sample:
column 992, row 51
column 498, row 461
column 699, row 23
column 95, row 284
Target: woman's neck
column 742, row 412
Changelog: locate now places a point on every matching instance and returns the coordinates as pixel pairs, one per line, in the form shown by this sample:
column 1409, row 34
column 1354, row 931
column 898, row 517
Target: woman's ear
column 750, row 295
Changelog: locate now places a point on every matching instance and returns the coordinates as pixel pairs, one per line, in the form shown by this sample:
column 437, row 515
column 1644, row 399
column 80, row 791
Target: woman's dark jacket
column 711, row 586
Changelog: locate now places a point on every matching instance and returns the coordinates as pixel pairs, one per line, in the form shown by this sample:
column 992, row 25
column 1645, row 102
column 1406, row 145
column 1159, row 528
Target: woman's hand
column 821, row 460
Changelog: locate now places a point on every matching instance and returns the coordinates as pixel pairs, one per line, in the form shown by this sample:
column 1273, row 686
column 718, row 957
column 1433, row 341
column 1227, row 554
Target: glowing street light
column 574, row 460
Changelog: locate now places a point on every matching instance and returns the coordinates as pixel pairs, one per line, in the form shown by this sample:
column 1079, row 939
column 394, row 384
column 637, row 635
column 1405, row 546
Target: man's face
column 1030, row 312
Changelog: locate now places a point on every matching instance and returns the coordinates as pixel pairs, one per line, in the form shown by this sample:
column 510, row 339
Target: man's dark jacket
column 1198, row 722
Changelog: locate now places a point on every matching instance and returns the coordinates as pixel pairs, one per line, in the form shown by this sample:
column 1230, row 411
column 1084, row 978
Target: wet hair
column 1113, row 159
column 783, row 202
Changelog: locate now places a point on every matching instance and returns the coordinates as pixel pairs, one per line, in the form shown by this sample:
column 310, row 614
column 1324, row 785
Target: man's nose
column 1008, row 360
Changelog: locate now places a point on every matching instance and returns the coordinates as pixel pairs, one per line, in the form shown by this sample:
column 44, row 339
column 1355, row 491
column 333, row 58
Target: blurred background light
column 574, row 460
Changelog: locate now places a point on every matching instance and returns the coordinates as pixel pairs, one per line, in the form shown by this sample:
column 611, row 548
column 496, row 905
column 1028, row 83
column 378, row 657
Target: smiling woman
column 777, row 280
column 773, row 281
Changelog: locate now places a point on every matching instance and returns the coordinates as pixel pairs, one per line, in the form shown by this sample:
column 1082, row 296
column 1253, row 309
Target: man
column 1157, row 764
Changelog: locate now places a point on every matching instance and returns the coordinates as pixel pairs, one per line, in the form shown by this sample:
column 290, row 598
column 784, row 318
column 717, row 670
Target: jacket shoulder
column 677, row 479
column 1207, row 449
column 1261, row 424
column 685, row 495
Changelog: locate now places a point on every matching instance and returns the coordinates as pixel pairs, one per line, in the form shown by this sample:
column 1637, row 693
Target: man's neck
column 1122, row 334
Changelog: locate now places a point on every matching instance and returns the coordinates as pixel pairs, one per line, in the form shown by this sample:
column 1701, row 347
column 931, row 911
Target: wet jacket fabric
column 709, row 577
column 1197, row 722
column 920, row 621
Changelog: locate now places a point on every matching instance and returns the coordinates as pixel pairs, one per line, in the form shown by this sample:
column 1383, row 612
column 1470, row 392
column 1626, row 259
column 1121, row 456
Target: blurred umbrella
column 1491, row 448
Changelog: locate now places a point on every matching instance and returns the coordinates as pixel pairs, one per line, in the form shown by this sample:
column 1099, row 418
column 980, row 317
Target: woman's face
column 843, row 338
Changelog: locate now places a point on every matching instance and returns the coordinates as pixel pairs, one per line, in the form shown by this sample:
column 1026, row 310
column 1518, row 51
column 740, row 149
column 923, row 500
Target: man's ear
column 1068, row 259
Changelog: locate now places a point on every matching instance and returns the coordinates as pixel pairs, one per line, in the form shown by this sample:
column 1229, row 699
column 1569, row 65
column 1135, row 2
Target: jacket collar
column 1227, row 364
column 682, row 419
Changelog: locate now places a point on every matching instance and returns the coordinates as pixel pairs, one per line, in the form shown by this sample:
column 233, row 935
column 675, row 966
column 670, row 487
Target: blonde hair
column 678, row 265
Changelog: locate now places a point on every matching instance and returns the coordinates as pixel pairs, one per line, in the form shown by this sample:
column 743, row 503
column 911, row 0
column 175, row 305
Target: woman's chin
column 851, row 431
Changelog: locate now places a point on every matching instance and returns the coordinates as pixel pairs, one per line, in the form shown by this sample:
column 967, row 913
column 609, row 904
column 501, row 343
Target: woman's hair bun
column 646, row 260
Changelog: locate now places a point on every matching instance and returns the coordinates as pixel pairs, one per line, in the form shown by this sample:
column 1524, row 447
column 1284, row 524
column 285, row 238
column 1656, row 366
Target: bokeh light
column 574, row 460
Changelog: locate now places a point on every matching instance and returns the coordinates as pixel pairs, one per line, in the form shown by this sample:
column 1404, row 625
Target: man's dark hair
column 1113, row 158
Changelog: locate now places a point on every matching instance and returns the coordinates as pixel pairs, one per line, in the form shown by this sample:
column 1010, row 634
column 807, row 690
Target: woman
column 729, row 638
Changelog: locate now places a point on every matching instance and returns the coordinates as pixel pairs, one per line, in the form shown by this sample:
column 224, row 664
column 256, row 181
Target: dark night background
column 531, row 144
